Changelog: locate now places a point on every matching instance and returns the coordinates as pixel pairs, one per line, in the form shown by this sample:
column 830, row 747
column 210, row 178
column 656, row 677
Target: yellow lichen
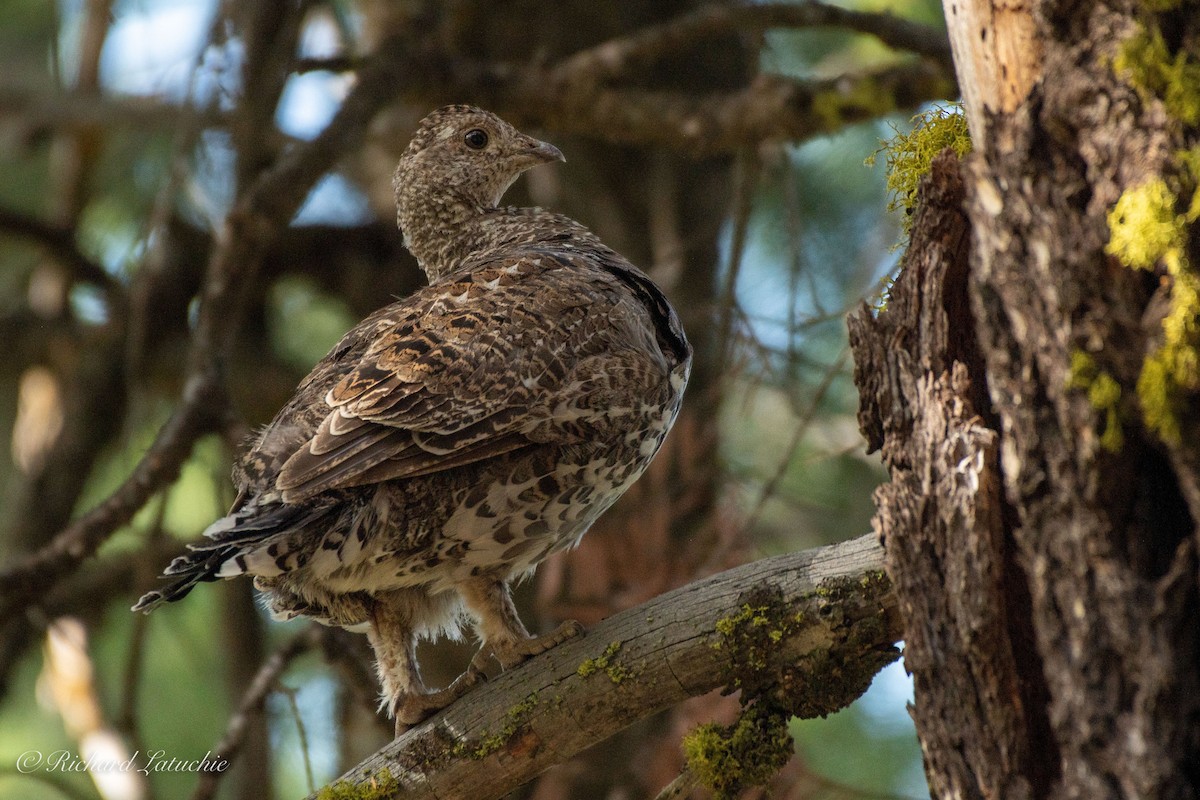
column 1145, row 230
column 1175, row 367
column 514, row 720
column 1104, row 394
column 1145, row 61
column 756, row 617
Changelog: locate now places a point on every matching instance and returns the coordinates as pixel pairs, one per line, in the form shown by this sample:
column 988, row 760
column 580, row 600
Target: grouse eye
column 476, row 139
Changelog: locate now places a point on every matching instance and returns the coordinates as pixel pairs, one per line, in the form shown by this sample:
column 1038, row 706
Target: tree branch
column 60, row 242
column 807, row 629
column 772, row 107
column 617, row 57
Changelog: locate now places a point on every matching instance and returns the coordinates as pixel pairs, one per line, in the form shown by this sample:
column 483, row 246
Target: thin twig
column 746, row 169
column 290, row 693
column 682, row 786
column 798, row 435
column 328, row 64
column 251, row 704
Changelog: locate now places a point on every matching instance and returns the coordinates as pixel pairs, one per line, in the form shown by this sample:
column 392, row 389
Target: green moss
column 1145, row 230
column 514, row 720
column 379, row 786
column 1145, row 61
column 753, row 635
column 606, row 661
column 908, row 155
column 776, row 685
column 750, row 635
column 727, row 759
column 1104, row 394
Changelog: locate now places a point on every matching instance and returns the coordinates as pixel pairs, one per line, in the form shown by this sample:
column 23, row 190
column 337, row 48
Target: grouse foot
column 412, row 708
column 510, row 653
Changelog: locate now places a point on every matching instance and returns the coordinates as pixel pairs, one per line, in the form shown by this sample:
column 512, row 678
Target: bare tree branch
column 33, row 111
column 60, row 242
column 769, row 628
column 617, row 57
column 200, row 412
column 771, row 108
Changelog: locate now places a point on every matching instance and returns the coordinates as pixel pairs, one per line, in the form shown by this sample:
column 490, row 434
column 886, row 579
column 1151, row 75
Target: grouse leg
column 503, row 635
column 405, row 696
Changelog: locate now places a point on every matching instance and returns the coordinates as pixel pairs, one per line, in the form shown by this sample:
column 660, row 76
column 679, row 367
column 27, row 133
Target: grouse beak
column 540, row 153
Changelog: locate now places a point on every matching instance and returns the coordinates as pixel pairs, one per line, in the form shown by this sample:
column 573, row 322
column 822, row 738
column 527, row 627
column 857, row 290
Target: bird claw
column 512, row 653
column 414, row 708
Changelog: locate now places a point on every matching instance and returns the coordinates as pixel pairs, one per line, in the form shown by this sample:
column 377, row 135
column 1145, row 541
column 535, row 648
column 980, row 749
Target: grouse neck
column 444, row 241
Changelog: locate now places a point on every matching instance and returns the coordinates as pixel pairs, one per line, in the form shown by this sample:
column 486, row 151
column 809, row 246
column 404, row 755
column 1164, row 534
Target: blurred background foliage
column 809, row 240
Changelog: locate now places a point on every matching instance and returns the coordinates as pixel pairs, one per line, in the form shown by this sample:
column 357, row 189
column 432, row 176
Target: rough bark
column 810, row 629
column 1108, row 537
column 1047, row 572
column 949, row 550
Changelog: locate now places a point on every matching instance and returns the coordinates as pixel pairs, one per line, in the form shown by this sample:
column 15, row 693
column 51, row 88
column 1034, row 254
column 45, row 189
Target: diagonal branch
column 59, row 241
column 807, row 629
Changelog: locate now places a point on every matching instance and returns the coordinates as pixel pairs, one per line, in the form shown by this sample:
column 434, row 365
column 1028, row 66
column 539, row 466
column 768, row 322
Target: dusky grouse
column 453, row 440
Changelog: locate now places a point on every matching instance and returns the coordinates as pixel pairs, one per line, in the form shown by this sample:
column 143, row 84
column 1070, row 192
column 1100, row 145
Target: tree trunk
column 1040, row 416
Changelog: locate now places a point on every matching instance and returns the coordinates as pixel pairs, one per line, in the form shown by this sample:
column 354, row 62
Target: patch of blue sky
column 334, row 201
column 311, row 99
column 316, row 702
column 842, row 239
column 309, row 102
column 209, row 186
column 886, row 701
column 158, row 49
column 88, row 304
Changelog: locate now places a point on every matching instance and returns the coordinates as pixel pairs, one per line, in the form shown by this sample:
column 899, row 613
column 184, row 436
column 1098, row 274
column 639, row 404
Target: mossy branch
column 807, row 629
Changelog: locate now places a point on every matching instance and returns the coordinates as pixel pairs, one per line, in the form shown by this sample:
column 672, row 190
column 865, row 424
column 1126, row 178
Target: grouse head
column 460, row 162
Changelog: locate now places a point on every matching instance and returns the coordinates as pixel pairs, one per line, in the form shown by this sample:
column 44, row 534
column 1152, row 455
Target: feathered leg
column 500, row 629
column 392, row 634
